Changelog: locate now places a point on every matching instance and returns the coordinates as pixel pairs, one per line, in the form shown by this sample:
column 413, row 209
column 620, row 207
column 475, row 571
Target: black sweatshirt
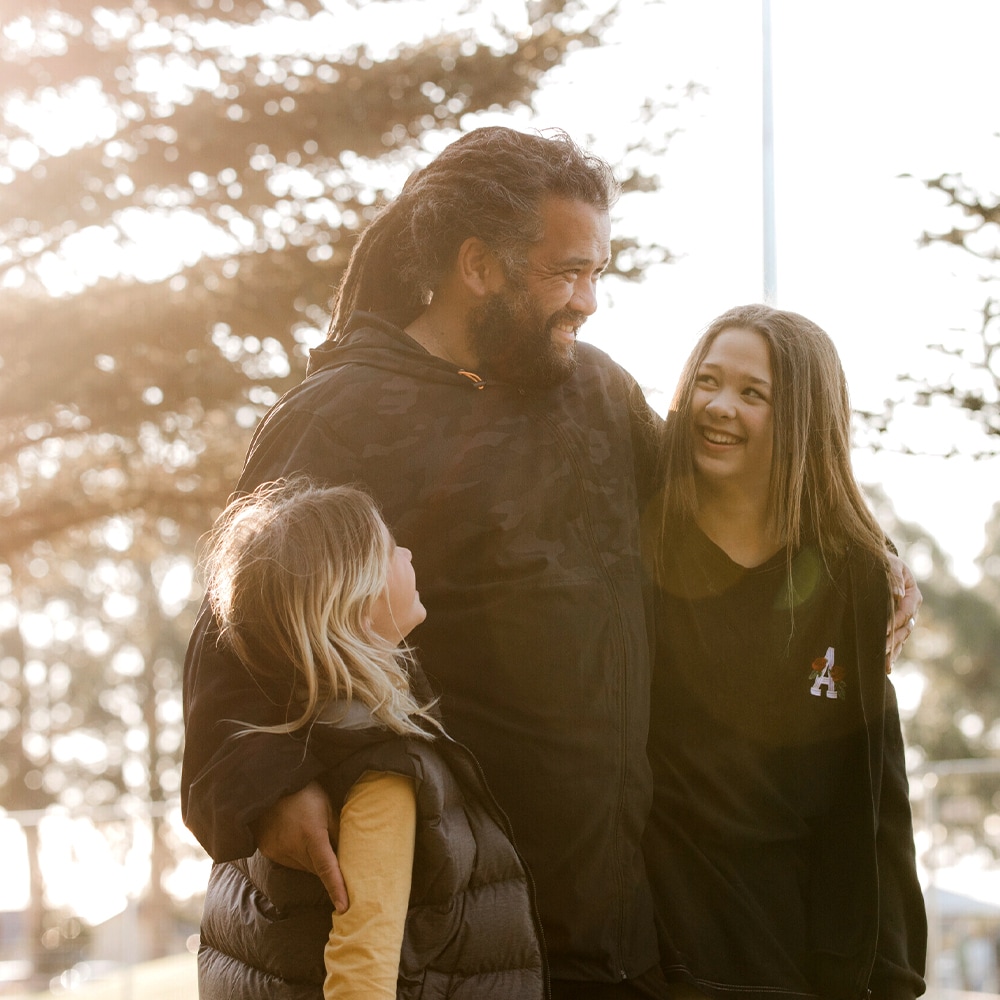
column 521, row 507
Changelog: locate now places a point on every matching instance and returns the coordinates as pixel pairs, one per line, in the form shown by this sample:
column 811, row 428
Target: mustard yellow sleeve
column 377, row 829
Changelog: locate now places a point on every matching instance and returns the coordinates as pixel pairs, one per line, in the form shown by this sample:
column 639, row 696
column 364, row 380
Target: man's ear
column 479, row 269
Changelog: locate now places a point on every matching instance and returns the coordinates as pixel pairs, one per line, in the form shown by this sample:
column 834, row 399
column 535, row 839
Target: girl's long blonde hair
column 813, row 493
column 292, row 571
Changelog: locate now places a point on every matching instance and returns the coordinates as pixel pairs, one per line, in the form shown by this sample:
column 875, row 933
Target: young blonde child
column 314, row 596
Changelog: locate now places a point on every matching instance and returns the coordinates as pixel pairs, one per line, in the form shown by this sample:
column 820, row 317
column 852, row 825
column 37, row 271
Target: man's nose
column 584, row 298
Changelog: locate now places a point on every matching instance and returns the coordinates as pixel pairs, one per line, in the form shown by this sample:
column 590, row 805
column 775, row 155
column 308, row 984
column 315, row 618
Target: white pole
column 770, row 253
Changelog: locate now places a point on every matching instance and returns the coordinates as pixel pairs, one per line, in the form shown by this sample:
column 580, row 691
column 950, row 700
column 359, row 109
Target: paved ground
column 174, row 978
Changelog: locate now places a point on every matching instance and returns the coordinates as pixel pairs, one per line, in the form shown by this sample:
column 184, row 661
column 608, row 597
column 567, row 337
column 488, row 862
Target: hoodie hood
column 377, row 341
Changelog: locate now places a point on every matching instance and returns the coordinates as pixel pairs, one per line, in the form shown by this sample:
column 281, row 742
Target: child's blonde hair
column 292, row 572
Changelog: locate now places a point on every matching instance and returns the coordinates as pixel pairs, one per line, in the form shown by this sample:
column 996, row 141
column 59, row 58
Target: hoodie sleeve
column 902, row 933
column 228, row 779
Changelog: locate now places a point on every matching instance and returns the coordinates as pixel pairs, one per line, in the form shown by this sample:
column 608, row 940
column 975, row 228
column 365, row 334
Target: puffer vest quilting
column 471, row 929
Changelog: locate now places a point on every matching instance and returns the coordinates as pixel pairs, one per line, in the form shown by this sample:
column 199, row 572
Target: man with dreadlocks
column 513, row 461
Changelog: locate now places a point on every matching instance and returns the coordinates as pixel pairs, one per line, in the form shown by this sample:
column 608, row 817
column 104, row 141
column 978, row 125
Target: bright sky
column 863, row 92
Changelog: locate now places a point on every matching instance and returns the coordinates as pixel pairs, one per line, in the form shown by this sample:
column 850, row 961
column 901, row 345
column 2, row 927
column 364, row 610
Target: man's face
column 526, row 332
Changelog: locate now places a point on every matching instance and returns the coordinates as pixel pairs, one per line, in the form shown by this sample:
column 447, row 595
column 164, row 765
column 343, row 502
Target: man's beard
column 513, row 340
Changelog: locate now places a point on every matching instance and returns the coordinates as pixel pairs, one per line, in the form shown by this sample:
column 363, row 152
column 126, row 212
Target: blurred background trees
column 176, row 211
column 953, row 659
column 966, row 376
column 954, row 656
column 948, row 675
column 974, row 388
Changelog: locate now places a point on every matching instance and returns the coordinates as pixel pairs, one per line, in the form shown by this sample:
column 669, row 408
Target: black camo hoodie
column 522, row 508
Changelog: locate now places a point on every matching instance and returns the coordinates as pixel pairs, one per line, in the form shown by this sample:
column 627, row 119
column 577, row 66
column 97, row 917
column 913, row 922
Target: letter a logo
column 824, row 681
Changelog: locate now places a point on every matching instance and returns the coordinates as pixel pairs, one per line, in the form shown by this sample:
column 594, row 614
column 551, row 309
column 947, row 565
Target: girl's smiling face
column 731, row 414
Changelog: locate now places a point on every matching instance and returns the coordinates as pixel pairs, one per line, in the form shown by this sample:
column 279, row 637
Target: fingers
column 897, row 634
column 297, row 831
column 906, row 600
column 909, row 599
column 324, row 863
column 907, row 608
column 898, row 572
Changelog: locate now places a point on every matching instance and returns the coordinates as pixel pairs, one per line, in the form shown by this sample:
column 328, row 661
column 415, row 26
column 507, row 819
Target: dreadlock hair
column 488, row 184
column 813, row 493
column 293, row 570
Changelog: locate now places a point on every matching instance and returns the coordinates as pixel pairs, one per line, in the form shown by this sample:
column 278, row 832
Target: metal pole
column 770, row 253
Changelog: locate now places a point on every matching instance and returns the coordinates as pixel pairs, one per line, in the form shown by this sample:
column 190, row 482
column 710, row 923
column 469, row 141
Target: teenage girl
column 780, row 846
column 312, row 593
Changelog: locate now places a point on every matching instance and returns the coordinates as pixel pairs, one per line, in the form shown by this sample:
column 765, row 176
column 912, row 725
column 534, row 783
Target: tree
column 956, row 650
column 953, row 661
column 956, row 647
column 180, row 185
column 969, row 381
column 93, row 707
column 258, row 168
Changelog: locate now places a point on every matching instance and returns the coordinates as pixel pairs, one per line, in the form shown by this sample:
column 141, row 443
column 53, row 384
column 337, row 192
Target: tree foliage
column 252, row 169
column 952, row 661
column 956, row 649
column 968, row 378
column 91, row 692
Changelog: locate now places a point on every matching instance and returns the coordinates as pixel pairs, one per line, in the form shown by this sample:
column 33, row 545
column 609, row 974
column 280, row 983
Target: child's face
column 397, row 610
column 732, row 414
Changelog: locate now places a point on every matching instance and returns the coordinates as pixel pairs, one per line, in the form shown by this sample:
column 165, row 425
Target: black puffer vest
column 471, row 930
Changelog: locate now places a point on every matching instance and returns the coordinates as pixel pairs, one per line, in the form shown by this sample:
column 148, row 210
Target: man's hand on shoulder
column 907, row 600
column 298, row 831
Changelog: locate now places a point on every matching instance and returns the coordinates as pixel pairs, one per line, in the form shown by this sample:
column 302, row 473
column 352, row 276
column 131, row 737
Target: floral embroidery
column 827, row 677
